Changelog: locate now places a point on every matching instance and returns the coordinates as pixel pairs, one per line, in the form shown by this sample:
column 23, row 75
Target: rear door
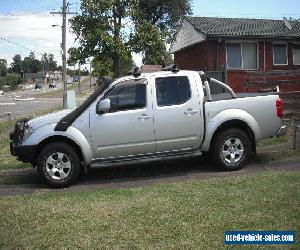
column 178, row 118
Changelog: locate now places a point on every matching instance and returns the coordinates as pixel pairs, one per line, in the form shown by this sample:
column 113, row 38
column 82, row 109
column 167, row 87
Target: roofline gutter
column 189, row 46
column 266, row 38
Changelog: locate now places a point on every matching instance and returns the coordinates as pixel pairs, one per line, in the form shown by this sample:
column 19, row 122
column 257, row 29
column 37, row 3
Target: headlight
column 27, row 131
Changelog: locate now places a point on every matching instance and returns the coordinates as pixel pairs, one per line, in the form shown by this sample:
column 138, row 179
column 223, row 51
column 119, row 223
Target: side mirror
column 103, row 106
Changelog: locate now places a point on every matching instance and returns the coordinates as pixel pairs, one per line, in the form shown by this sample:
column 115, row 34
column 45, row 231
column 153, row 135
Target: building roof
column 148, row 68
column 244, row 27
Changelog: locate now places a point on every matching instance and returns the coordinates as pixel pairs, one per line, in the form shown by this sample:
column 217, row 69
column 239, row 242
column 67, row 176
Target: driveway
column 26, row 181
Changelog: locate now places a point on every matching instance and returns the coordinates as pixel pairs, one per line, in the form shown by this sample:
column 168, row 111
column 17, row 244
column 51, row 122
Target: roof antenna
column 136, row 71
column 287, row 23
column 172, row 68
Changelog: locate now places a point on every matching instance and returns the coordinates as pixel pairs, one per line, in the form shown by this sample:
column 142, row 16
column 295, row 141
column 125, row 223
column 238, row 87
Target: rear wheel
column 58, row 165
column 231, row 149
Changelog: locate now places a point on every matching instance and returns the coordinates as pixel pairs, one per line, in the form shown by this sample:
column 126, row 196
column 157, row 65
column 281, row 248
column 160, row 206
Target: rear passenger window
column 172, row 90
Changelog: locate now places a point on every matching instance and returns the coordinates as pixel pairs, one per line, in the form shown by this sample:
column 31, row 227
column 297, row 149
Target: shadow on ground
column 26, row 181
column 119, row 173
column 153, row 170
column 130, row 175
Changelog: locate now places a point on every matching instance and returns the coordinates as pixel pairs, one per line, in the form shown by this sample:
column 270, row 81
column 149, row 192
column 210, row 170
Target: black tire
column 68, row 168
column 237, row 140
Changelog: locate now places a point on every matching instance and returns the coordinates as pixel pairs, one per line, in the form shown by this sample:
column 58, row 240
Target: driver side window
column 127, row 95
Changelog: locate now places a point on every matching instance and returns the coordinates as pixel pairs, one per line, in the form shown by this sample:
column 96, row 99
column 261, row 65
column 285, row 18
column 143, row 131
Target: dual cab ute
column 145, row 117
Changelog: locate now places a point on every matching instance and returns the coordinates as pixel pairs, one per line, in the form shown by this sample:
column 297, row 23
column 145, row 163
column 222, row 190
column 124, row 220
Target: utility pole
column 79, row 78
column 90, row 74
column 64, row 13
column 74, row 73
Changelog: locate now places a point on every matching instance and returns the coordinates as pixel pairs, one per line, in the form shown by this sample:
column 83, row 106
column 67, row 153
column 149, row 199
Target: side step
column 141, row 160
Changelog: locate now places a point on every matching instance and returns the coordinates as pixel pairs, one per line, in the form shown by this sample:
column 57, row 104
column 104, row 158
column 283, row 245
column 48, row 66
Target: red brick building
column 253, row 54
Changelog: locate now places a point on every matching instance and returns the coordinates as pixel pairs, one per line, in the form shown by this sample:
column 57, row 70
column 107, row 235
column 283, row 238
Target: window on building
column 280, row 54
column 296, row 54
column 127, row 95
column 172, row 90
column 234, row 59
column 241, row 55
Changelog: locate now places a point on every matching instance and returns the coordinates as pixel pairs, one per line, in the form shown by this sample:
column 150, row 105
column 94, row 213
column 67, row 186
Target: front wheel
column 58, row 165
column 231, row 149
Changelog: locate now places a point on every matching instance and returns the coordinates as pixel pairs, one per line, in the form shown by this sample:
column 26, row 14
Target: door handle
column 191, row 112
column 144, row 117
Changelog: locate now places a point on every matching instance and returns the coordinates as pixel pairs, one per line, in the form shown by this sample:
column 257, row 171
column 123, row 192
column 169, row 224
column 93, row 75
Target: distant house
column 148, row 68
column 251, row 54
column 34, row 77
column 55, row 75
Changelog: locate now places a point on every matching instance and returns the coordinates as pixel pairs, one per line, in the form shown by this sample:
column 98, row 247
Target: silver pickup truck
column 146, row 117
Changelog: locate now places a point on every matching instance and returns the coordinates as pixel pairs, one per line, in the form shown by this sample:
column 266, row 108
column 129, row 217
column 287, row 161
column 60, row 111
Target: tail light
column 279, row 108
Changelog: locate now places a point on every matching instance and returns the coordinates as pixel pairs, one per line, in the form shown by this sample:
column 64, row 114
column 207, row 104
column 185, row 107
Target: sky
column 26, row 25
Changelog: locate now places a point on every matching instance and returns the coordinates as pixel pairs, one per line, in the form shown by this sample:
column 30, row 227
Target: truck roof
column 157, row 74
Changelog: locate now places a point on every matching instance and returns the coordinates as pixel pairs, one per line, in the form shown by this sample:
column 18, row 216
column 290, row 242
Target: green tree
column 16, row 65
column 31, row 65
column 3, row 67
column 48, row 62
column 52, row 63
column 45, row 61
column 13, row 80
column 101, row 33
column 166, row 15
column 156, row 23
column 109, row 30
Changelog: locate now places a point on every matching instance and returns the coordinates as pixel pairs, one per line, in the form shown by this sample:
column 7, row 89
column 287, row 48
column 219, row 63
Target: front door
column 127, row 129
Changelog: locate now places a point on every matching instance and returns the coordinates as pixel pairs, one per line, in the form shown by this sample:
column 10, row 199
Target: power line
column 21, row 46
column 25, row 7
column 45, row 5
column 56, row 5
column 41, row 4
column 41, row 7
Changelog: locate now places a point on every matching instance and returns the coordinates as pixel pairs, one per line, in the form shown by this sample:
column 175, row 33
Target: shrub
column 12, row 80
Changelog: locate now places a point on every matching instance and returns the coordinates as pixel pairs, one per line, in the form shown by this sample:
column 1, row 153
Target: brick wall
column 287, row 77
column 204, row 56
column 192, row 58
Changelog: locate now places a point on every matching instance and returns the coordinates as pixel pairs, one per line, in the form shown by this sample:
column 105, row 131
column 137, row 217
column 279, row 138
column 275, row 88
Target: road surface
column 20, row 103
column 23, row 102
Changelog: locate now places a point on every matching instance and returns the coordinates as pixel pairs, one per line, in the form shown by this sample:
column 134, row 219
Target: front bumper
column 282, row 131
column 24, row 153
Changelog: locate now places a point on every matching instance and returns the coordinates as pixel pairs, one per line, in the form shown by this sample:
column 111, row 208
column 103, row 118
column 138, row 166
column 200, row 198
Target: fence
column 267, row 80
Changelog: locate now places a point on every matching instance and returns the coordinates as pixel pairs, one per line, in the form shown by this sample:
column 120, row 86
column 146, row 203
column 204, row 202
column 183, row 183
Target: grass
column 183, row 215
column 7, row 161
column 55, row 92
column 265, row 157
column 273, row 141
column 58, row 92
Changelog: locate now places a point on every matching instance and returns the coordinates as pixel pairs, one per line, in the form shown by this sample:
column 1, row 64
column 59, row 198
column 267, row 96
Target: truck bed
column 261, row 107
